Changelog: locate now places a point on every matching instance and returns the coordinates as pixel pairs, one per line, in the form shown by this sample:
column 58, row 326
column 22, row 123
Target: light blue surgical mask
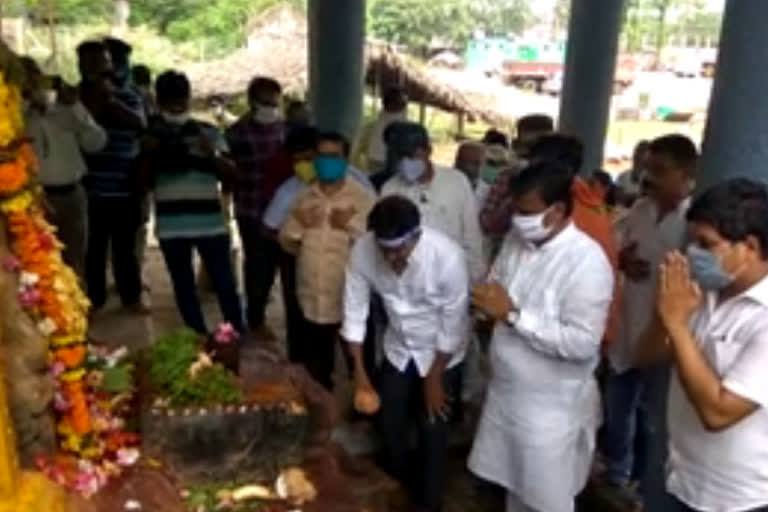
column 411, row 169
column 330, row 169
column 707, row 270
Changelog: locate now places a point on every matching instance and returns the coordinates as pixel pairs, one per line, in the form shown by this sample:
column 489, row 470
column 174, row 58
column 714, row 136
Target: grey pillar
column 336, row 50
column 590, row 65
column 736, row 136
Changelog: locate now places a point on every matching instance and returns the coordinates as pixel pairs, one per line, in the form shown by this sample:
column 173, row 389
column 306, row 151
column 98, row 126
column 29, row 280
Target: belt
column 61, row 189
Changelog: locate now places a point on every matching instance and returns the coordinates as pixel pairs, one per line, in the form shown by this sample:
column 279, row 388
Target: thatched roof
column 282, row 54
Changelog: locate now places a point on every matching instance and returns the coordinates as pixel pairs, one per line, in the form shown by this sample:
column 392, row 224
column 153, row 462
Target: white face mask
column 175, row 118
column 411, row 169
column 264, row 114
column 531, row 228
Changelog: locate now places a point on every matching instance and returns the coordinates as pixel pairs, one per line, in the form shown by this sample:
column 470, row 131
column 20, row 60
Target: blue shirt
column 111, row 170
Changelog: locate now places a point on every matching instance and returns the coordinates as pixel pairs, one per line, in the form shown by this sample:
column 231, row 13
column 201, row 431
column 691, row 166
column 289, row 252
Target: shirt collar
column 758, row 292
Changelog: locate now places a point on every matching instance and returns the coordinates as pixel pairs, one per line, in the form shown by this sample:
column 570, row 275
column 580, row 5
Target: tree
column 418, row 24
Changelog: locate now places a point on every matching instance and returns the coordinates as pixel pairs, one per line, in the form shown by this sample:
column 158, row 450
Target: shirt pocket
column 721, row 350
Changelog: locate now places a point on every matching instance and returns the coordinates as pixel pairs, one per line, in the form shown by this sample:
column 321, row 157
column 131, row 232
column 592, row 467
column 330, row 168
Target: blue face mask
column 330, row 169
column 707, row 270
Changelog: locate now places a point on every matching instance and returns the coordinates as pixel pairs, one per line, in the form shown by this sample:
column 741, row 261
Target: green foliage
column 169, row 362
column 419, row 24
column 117, row 380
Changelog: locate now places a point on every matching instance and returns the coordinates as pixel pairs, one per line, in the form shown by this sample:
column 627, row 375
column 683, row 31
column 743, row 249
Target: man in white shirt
column 634, row 398
column 549, row 293
column 370, row 151
column 443, row 195
column 421, row 276
column 60, row 128
column 712, row 324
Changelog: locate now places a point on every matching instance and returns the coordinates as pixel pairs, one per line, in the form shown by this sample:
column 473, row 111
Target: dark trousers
column 261, row 259
column 294, row 319
column 214, row 253
column 679, row 506
column 402, row 409
column 115, row 221
column 317, row 351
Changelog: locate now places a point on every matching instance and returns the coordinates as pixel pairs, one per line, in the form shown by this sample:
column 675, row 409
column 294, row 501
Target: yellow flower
column 73, row 375
column 17, row 203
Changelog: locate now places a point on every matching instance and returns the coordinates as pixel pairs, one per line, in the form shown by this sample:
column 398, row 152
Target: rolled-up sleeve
column 454, row 310
column 747, row 377
column 357, row 295
column 577, row 331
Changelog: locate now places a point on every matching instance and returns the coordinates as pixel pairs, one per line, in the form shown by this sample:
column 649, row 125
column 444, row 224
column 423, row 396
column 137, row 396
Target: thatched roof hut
column 281, row 52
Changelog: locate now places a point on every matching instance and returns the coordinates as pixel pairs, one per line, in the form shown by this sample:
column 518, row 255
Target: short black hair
column 87, row 48
column 172, row 85
column 393, row 217
column 300, row 139
column 263, row 83
column 550, row 179
column 494, row 136
column 605, row 179
column 118, row 48
column 535, row 123
column 677, row 147
column 736, row 209
column 335, row 137
column 557, row 147
column 141, row 75
column 393, row 95
column 406, row 136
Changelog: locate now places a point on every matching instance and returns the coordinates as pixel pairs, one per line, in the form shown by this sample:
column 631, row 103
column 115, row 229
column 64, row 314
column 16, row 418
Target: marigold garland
column 50, row 292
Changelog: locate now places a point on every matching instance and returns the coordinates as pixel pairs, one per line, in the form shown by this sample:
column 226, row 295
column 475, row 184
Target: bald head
column 470, row 159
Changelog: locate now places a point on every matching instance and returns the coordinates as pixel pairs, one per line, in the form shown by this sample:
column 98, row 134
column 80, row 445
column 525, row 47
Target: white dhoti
column 538, row 447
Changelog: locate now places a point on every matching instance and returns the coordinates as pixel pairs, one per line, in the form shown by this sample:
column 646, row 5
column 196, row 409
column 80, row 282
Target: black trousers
column 294, row 319
column 261, row 255
column 403, row 409
column 317, row 351
column 115, row 221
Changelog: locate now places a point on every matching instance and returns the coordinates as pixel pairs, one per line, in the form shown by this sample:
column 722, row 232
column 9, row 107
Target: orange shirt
column 590, row 215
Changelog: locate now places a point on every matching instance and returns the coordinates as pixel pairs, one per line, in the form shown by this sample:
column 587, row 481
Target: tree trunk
column 121, row 15
column 661, row 30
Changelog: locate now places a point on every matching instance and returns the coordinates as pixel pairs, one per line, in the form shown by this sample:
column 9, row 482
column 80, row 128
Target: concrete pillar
column 736, row 136
column 336, row 51
column 590, row 65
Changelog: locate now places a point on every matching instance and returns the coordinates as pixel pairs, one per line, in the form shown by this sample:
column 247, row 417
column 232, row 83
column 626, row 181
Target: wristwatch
column 513, row 316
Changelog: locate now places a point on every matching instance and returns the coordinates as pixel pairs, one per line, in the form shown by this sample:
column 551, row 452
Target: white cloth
column 58, row 137
column 725, row 471
column 536, row 435
column 628, row 184
column 654, row 240
column 427, row 305
column 377, row 148
column 280, row 206
column 447, row 204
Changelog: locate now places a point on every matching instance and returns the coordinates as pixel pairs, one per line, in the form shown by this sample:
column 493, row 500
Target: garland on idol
column 92, row 386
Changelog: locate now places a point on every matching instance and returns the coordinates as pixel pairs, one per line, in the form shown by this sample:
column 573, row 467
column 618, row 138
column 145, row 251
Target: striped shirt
column 252, row 145
column 111, row 170
column 186, row 184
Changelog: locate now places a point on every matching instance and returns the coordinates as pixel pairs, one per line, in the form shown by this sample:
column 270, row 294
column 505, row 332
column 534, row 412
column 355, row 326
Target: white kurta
column 537, row 433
